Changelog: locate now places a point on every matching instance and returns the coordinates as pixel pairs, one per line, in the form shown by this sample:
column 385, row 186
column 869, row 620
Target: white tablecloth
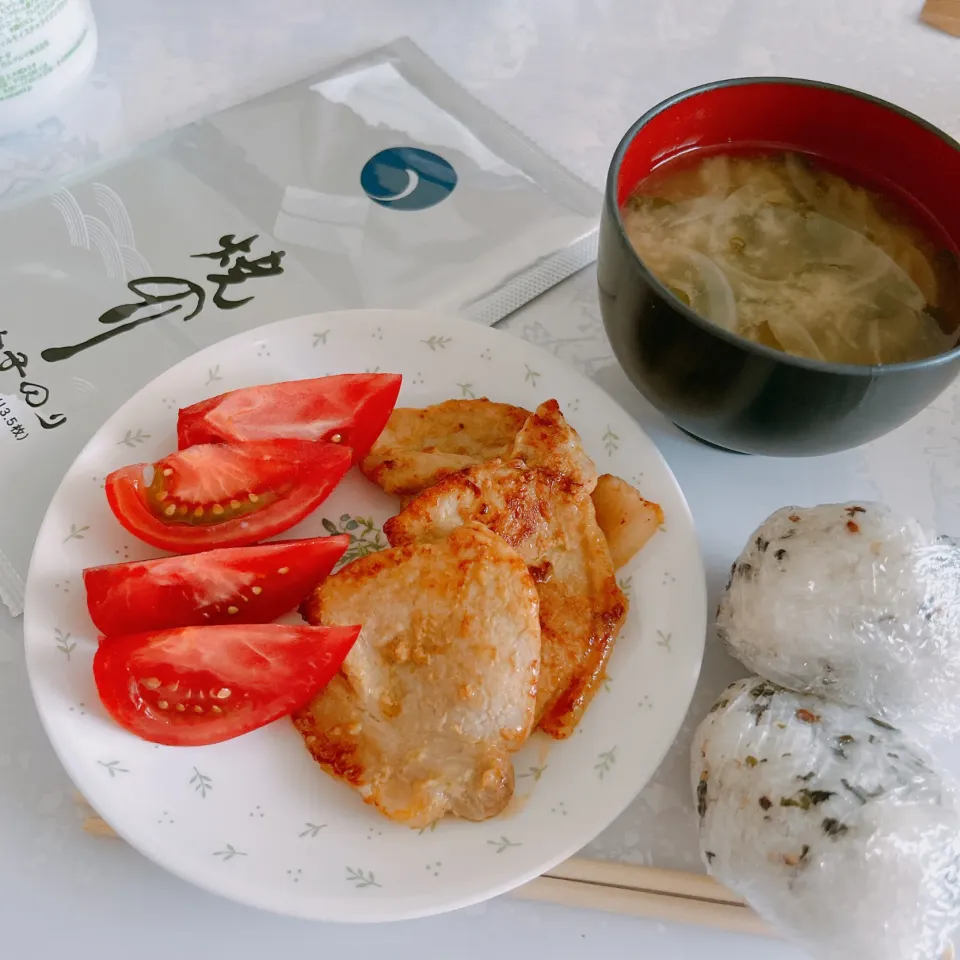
column 573, row 75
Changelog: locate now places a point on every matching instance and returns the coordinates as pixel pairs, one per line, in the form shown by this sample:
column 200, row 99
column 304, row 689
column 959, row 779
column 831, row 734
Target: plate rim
column 400, row 908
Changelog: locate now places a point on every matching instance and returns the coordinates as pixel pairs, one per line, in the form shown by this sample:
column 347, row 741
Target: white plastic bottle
column 47, row 51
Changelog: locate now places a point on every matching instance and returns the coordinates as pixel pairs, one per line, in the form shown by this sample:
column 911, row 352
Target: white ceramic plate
column 255, row 819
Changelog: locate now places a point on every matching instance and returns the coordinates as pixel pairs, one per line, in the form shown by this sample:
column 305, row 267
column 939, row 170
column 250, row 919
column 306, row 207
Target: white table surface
column 572, row 74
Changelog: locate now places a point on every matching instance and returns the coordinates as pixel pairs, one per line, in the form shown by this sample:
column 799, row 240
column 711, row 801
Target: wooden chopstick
column 671, row 896
column 650, row 892
column 98, row 827
column 943, row 14
column 676, row 883
column 643, row 903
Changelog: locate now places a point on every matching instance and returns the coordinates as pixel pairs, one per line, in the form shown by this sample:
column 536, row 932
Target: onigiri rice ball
column 853, row 602
column 833, row 825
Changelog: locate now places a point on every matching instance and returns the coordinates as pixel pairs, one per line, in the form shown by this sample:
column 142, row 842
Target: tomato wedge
column 225, row 495
column 349, row 408
column 199, row 685
column 234, row 585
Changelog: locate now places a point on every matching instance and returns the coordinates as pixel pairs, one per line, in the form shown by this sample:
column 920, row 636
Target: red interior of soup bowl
column 877, row 142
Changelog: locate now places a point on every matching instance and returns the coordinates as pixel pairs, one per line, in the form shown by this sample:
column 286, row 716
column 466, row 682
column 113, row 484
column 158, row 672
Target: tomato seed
column 151, row 683
column 253, row 498
column 222, row 693
column 198, row 512
column 256, row 591
column 217, row 509
column 234, row 504
column 180, row 708
column 171, row 510
column 182, row 509
column 215, row 709
column 198, row 709
column 233, row 609
column 162, row 704
column 168, row 472
column 284, row 570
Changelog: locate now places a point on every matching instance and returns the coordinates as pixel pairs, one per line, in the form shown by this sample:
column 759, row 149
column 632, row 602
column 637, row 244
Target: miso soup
column 778, row 249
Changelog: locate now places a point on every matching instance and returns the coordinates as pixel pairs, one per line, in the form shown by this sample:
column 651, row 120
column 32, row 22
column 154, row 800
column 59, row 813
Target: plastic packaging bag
column 378, row 183
column 855, row 603
column 836, row 828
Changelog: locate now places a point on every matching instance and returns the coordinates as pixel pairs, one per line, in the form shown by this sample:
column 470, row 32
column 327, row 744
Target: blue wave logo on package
column 407, row 178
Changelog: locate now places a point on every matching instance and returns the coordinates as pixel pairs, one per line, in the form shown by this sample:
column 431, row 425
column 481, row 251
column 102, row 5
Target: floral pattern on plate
column 299, row 842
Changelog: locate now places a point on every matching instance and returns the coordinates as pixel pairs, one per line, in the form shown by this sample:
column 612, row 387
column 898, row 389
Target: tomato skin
column 203, row 588
column 355, row 406
column 240, row 677
column 300, row 475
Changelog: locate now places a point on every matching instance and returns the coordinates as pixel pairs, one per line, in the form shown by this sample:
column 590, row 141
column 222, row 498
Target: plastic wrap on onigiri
column 853, row 602
column 835, row 827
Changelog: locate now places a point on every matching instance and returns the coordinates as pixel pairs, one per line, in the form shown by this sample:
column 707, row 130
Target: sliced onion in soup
column 794, row 337
column 718, row 302
column 802, row 180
